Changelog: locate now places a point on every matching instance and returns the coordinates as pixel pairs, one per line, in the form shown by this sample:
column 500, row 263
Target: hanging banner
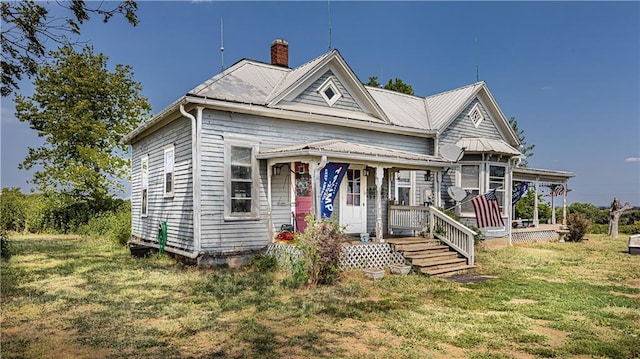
column 330, row 178
column 519, row 189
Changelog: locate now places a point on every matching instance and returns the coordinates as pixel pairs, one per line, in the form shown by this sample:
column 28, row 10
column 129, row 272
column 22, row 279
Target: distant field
column 77, row 298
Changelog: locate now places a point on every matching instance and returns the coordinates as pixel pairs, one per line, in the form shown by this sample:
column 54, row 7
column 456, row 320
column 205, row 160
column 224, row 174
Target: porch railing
column 453, row 233
column 414, row 218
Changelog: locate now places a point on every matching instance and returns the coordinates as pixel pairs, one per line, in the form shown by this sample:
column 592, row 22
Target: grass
column 83, row 298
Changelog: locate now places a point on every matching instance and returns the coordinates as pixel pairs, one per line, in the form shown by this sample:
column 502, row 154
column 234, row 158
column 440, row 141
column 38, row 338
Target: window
column 144, row 170
column 496, row 181
column 403, row 188
column 241, row 188
column 470, row 182
column 476, row 115
column 353, row 187
column 169, row 179
column 329, row 92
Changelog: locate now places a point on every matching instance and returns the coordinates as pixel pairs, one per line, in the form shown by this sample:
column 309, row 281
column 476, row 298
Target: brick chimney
column 280, row 53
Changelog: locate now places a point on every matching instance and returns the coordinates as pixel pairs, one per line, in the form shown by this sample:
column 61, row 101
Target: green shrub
column 599, row 228
column 265, row 263
column 113, row 225
column 5, row 250
column 578, row 225
column 321, row 248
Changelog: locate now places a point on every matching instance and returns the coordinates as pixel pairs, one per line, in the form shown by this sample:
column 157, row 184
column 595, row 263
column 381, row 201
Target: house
column 237, row 157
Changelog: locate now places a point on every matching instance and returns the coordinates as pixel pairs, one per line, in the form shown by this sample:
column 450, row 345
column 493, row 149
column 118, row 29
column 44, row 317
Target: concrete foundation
column 634, row 244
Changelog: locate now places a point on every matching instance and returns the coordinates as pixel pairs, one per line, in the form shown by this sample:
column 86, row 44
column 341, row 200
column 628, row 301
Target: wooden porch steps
column 430, row 257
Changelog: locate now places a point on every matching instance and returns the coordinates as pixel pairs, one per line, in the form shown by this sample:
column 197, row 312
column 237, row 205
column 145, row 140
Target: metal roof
column 486, row 145
column 344, row 149
column 446, row 105
column 539, row 172
column 402, row 109
column 246, row 81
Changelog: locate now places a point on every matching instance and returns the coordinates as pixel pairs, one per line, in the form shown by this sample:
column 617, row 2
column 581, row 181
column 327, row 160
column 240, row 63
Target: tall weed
column 321, row 248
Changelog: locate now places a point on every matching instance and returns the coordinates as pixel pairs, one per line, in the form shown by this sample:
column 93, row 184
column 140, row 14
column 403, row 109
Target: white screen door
column 353, row 208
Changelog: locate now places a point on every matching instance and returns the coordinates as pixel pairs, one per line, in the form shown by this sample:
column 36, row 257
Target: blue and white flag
column 518, row 191
column 330, row 178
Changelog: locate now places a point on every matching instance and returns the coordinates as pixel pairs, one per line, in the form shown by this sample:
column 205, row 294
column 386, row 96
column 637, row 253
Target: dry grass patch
column 90, row 299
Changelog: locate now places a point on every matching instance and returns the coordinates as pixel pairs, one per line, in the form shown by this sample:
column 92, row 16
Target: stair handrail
column 456, row 235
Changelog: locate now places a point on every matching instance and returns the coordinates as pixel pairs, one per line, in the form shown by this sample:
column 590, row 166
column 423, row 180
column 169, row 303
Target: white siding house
column 226, row 165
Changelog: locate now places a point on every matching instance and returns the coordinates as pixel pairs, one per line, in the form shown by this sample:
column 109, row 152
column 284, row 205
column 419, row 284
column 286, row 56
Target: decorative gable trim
column 329, row 91
column 334, row 62
column 476, row 115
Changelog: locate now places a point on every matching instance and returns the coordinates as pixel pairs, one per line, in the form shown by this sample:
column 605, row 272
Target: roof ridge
column 456, row 89
column 394, row 92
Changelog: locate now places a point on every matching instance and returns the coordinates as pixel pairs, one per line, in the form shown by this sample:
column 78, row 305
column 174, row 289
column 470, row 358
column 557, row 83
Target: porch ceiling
column 338, row 150
column 543, row 175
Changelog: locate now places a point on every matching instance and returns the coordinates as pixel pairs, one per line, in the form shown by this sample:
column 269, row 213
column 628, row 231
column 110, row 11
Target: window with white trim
column 329, row 92
column 241, row 180
column 470, row 182
column 403, row 188
column 476, row 115
column 144, row 170
column 496, row 181
column 169, row 178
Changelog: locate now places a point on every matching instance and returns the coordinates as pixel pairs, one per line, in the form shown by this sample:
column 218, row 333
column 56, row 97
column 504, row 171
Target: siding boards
column 221, row 235
column 177, row 211
column 311, row 96
column 462, row 127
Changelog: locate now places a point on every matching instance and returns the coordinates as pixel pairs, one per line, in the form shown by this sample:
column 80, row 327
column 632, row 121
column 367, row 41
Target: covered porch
column 362, row 199
column 546, row 182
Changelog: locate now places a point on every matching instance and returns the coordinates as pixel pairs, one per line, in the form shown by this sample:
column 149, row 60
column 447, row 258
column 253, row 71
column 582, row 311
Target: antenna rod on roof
column 477, row 66
column 221, row 44
column 329, row 8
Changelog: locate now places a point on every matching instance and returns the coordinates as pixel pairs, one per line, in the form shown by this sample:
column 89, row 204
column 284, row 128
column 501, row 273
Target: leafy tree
column 396, row 85
column 27, row 26
column 527, row 151
column 373, row 82
column 82, row 110
column 591, row 212
column 525, row 207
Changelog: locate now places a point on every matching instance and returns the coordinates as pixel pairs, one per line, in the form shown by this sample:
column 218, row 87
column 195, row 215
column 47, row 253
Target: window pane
column 168, row 161
column 169, row 182
column 467, row 206
column 470, row 177
column 144, row 201
column 241, row 155
column 240, row 189
column 496, row 171
column 240, row 172
column 241, row 205
column 356, row 199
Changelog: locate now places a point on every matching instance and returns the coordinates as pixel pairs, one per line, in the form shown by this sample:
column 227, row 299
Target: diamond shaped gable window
column 329, row 92
column 476, row 115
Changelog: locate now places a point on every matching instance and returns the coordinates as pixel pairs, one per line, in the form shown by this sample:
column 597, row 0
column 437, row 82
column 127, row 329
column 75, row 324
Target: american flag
column 487, row 210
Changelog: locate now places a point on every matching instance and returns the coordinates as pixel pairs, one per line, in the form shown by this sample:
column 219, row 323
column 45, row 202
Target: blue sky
column 568, row 71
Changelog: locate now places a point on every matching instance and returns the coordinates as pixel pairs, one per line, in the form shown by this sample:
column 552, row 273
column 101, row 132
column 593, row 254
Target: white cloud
column 632, row 159
column 547, row 88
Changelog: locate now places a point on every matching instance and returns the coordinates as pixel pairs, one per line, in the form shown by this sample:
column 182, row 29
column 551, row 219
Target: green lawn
column 69, row 297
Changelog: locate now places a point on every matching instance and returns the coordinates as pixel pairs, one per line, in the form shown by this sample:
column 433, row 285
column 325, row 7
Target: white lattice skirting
column 534, row 236
column 372, row 255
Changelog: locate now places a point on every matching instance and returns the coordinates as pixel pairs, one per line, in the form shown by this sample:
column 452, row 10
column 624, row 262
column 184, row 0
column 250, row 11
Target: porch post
column 269, row 205
column 536, row 221
column 564, row 205
column 553, row 208
column 379, row 228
